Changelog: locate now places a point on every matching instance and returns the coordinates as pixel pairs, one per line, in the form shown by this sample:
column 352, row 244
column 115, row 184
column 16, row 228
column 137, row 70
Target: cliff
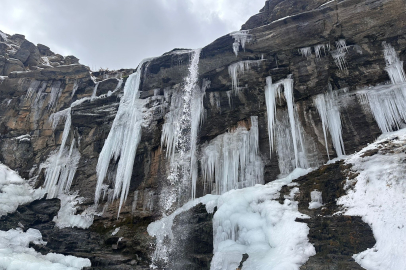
column 312, row 73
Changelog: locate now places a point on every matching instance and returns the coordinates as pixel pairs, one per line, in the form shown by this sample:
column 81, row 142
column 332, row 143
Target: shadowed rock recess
column 331, row 50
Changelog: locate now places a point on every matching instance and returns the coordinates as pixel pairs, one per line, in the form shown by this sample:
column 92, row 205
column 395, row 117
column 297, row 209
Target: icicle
column 75, row 87
column 339, row 54
column 240, row 68
column 123, row 140
column 317, row 49
column 240, row 38
column 56, row 91
column 388, row 102
column 394, row 66
column 272, row 92
column 328, row 108
column 32, row 88
column 94, row 94
column 231, row 160
column 306, row 52
column 62, row 165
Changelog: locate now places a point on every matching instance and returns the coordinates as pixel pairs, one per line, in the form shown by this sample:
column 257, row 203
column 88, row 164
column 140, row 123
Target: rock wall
column 36, row 82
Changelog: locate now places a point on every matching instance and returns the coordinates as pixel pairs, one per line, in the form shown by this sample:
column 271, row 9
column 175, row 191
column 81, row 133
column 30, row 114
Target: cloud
column 119, row 34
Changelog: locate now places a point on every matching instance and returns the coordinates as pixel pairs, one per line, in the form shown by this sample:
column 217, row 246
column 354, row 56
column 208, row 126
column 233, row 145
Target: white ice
column 306, row 52
column 67, row 216
column 240, row 38
column 316, row 199
column 235, row 69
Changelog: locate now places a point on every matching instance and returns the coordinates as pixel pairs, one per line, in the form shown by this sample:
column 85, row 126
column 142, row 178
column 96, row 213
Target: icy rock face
column 240, row 39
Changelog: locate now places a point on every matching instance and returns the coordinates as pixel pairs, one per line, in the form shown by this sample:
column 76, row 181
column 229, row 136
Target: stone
column 28, row 53
column 12, row 65
column 71, row 60
column 44, row 50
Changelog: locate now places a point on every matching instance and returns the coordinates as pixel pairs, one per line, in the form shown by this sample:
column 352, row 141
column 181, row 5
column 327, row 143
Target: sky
column 118, row 34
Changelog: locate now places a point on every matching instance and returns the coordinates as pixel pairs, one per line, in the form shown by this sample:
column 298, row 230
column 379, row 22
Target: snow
column 252, row 221
column 232, row 160
column 123, row 140
column 316, row 199
column 328, row 108
column 23, row 138
column 240, row 38
column 15, row 253
column 378, row 196
column 240, row 68
column 116, row 230
column 15, row 191
column 3, row 36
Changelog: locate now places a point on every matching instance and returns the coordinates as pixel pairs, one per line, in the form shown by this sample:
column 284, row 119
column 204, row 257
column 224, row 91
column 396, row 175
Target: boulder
column 12, row 65
column 28, row 53
column 44, row 50
column 71, row 60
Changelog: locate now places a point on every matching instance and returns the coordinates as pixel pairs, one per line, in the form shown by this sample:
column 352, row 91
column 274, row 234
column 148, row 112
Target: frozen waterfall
column 123, row 139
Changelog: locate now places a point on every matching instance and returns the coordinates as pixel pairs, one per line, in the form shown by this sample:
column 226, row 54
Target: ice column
column 240, row 68
column 62, row 165
column 240, row 38
column 123, row 140
column 231, row 160
column 272, row 92
column 388, row 102
column 329, row 112
column 339, row 54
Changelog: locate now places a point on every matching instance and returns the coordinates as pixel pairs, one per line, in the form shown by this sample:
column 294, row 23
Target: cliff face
column 324, row 46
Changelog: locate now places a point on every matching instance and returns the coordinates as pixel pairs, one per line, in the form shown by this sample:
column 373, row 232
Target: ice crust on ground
column 16, row 255
column 377, row 194
column 15, row 191
column 252, row 221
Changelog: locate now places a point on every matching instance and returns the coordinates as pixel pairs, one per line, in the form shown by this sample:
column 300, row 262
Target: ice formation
column 273, row 91
column 231, row 160
column 15, row 253
column 306, row 52
column 32, row 88
column 388, row 102
column 377, row 194
column 182, row 123
column 339, row 54
column 123, row 139
column 316, row 199
column 318, row 48
column 240, row 68
column 56, row 91
column 329, row 112
column 75, row 87
column 62, row 164
column 240, row 38
column 94, row 93
column 67, row 216
column 15, row 191
column 252, row 221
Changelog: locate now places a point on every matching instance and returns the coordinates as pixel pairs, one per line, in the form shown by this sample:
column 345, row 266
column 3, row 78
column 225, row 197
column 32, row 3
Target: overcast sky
column 120, row 33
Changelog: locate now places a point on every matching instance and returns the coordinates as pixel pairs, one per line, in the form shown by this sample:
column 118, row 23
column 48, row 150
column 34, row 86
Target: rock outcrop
column 35, row 83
